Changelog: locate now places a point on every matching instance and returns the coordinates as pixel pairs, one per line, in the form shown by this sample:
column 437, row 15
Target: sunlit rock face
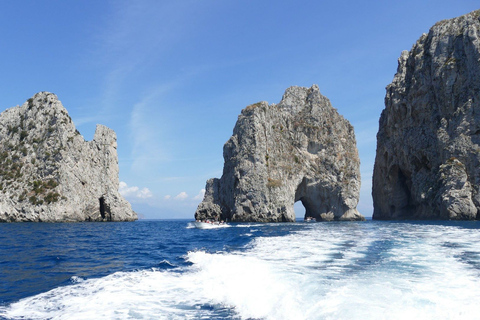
column 298, row 150
column 48, row 172
column 427, row 163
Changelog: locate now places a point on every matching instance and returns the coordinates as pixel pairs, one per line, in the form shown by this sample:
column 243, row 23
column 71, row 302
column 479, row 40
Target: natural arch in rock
column 298, row 150
column 312, row 207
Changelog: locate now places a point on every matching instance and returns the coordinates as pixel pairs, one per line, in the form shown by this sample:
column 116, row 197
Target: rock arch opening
column 321, row 201
column 299, row 210
column 303, row 196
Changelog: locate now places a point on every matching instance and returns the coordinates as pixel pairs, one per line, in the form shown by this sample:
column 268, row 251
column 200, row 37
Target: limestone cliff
column 48, row 172
column 427, row 164
column 298, row 150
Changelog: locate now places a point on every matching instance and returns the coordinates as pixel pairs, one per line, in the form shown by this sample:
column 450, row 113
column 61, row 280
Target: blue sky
column 171, row 77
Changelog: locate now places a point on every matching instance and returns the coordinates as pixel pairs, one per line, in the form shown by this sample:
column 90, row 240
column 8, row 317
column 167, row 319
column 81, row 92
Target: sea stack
column 298, row 150
column 427, row 163
column 49, row 173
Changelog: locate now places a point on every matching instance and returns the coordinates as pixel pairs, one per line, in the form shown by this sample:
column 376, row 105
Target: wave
column 191, row 225
column 342, row 272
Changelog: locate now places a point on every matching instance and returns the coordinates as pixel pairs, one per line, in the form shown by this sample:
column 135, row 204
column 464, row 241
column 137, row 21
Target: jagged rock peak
column 298, row 150
column 48, row 172
column 427, row 163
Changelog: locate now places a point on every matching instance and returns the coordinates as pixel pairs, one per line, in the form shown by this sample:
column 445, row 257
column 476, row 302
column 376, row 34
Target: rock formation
column 48, row 172
column 427, row 164
column 298, row 150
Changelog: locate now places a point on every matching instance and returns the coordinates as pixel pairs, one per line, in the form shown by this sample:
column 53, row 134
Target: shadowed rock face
column 48, row 172
column 298, row 150
column 427, row 161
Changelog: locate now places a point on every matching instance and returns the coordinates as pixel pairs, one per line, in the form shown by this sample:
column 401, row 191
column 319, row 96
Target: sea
column 167, row 269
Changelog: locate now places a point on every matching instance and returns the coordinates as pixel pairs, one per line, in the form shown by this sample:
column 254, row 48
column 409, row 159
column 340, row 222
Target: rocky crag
column 427, row 164
column 298, row 150
column 48, row 172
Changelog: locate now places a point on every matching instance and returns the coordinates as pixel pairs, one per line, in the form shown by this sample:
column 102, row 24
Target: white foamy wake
column 191, row 225
column 330, row 271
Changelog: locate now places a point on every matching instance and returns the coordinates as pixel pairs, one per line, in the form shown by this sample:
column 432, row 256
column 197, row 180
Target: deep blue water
column 176, row 271
column 36, row 257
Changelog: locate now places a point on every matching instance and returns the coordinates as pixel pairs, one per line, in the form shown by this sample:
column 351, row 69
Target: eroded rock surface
column 298, row 150
column 48, row 172
column 427, row 164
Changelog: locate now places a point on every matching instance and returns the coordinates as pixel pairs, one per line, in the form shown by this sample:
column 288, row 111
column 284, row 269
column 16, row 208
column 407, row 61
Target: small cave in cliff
column 104, row 210
column 401, row 204
column 102, row 207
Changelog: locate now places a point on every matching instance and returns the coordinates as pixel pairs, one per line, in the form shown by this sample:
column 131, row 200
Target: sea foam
column 343, row 271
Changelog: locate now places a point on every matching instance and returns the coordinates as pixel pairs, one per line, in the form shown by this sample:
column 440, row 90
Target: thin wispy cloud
column 149, row 127
column 131, row 40
column 146, row 134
